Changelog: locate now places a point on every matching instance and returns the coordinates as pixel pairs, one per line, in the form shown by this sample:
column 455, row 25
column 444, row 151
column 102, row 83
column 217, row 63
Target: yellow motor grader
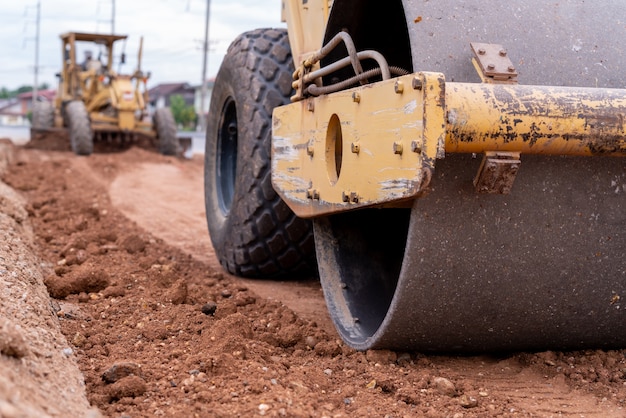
column 95, row 102
column 455, row 168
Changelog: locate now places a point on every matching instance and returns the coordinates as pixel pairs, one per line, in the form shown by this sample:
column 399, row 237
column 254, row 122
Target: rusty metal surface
column 535, row 119
column 543, row 267
column 358, row 148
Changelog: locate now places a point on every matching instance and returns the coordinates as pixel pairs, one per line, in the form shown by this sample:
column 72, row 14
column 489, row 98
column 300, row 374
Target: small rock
column 178, row 293
column 467, row 401
column 131, row 386
column 87, row 281
column 78, row 340
column 134, row 244
column 119, row 371
column 263, row 408
column 12, row 341
column 209, row 308
column 310, row 341
column 114, row 292
column 226, row 294
column 67, row 352
column 328, row 372
column 444, row 386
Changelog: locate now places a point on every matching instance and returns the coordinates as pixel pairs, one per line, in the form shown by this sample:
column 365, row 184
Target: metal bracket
column 497, row 172
column 493, row 64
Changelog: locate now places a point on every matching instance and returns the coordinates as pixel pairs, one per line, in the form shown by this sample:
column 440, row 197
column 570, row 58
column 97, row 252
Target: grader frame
column 95, row 102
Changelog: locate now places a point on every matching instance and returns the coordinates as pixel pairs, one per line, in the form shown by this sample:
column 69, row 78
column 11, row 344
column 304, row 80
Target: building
column 16, row 111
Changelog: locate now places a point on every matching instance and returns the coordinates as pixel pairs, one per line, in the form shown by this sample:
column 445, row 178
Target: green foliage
column 184, row 114
column 7, row 94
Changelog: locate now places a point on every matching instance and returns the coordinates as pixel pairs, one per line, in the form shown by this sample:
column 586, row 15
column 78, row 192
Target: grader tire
column 81, row 135
column 43, row 115
column 166, row 131
column 254, row 233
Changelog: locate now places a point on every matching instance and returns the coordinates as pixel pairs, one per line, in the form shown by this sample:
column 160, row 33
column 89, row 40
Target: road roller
column 454, row 169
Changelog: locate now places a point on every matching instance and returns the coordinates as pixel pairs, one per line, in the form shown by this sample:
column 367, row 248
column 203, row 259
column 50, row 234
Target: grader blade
column 412, row 253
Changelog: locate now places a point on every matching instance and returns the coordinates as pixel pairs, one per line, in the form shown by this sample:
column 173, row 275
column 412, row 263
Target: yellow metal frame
column 377, row 144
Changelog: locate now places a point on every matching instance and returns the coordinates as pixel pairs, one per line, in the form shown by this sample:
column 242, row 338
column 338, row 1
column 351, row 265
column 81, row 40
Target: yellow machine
column 95, row 102
column 462, row 165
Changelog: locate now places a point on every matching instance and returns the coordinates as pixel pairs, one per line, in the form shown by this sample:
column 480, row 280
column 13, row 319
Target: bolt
column 310, row 106
column 313, row 194
column 491, row 67
column 310, row 150
column 356, row 320
column 397, row 148
column 356, row 97
column 345, row 197
column 356, row 148
column 344, row 286
column 354, row 197
column 398, row 87
column 415, row 147
column 417, row 84
column 511, row 69
column 502, row 53
column 481, row 51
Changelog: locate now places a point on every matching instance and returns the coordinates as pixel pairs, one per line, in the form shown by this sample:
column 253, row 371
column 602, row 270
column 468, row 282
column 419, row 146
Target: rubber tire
column 165, row 126
column 81, row 135
column 254, row 233
column 43, row 115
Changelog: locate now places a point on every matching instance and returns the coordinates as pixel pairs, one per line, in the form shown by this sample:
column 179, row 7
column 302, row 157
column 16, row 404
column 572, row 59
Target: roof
column 168, row 89
column 47, row 94
column 92, row 37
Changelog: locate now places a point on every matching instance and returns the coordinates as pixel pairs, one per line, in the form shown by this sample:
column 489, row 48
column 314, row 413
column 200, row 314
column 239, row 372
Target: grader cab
column 457, row 166
column 94, row 102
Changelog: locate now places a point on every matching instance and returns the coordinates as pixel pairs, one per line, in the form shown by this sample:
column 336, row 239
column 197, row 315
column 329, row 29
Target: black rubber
column 43, row 115
column 166, row 131
column 254, row 233
column 81, row 135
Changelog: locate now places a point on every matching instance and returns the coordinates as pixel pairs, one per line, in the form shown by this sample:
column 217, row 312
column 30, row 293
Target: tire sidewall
column 222, row 93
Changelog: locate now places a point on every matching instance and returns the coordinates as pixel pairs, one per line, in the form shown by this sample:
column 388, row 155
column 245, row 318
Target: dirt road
column 158, row 329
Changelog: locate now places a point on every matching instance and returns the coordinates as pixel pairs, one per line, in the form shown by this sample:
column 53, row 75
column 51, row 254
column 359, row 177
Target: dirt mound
column 158, row 331
column 38, row 372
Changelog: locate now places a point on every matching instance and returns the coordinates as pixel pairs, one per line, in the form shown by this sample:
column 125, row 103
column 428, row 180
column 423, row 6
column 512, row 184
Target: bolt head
column 511, row 69
column 398, row 87
column 397, row 148
column 415, row 147
column 417, row 84
column 310, row 106
column 491, row 67
column 356, row 148
column 502, row 53
column 482, row 51
column 356, row 97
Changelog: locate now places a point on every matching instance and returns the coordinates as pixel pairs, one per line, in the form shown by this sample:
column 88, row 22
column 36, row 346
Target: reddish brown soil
column 159, row 330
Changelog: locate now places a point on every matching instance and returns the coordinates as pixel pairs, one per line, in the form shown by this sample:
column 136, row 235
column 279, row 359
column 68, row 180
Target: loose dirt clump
column 158, row 332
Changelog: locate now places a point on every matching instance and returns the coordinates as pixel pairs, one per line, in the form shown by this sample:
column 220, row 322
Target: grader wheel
column 81, row 135
column 166, row 131
column 43, row 115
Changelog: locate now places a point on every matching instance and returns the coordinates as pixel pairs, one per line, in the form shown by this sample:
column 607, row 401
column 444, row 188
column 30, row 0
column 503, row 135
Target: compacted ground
column 158, row 329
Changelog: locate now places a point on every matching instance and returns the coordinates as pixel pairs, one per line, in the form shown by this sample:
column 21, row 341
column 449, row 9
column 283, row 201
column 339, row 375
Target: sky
column 172, row 30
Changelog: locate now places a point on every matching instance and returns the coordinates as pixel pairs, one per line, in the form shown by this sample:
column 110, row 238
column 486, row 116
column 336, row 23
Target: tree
column 184, row 114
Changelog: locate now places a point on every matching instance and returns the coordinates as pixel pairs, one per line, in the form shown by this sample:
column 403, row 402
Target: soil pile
column 157, row 329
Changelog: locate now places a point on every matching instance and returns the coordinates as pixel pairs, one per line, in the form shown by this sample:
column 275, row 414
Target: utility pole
column 36, row 86
column 112, row 17
column 204, row 65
